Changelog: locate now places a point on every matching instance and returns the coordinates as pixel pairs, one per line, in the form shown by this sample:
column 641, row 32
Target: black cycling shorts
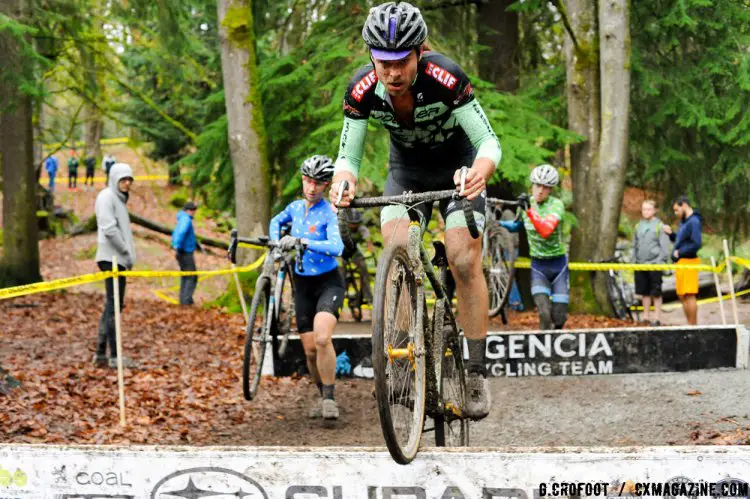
column 319, row 293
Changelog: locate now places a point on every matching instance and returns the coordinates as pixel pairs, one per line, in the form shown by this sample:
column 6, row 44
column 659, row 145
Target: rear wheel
column 616, row 299
column 286, row 311
column 450, row 429
column 398, row 355
column 256, row 336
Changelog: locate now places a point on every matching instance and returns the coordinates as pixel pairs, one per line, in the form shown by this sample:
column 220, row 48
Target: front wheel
column 398, row 355
column 256, row 338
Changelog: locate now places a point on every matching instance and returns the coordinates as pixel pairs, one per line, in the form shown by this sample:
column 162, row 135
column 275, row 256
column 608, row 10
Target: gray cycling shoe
column 100, row 360
column 329, row 409
column 477, row 396
column 316, row 412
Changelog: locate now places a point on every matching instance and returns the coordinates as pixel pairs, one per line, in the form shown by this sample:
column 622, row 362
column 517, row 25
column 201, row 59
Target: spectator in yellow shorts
column 687, row 242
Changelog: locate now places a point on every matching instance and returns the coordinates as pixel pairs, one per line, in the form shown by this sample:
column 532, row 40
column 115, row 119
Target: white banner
column 192, row 473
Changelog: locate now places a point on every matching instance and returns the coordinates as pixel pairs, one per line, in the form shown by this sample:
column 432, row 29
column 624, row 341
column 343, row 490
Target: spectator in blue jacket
column 51, row 166
column 687, row 242
column 184, row 244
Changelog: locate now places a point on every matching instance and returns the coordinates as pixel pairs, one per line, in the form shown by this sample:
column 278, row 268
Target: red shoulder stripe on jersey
column 363, row 85
column 443, row 76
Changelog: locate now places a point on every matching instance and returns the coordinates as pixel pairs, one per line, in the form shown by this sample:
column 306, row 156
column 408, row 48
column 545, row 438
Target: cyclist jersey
column 319, row 227
column 540, row 247
column 448, row 121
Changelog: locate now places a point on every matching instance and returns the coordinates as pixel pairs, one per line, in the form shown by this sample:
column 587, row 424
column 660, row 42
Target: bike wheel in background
column 398, row 355
column 501, row 263
column 616, row 299
column 256, row 335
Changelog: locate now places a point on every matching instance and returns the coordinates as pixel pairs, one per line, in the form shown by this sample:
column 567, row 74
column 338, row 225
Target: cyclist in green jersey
column 542, row 217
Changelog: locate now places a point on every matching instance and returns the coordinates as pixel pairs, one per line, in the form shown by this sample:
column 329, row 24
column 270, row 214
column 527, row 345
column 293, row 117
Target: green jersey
column 553, row 246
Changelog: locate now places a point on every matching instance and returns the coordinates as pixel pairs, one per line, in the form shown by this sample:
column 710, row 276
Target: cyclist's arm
column 283, row 218
column 351, row 146
column 511, row 225
column 332, row 245
column 472, row 119
column 544, row 226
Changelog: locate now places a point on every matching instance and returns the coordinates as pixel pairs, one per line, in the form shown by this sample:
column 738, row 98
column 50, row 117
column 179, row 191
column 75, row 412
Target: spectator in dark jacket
column 184, row 244
column 90, row 163
column 687, row 242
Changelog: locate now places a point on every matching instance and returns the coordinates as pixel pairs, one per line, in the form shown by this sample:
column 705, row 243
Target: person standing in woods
column 687, row 243
column 650, row 245
column 73, row 170
column 114, row 239
column 184, row 244
column 51, row 166
column 90, row 163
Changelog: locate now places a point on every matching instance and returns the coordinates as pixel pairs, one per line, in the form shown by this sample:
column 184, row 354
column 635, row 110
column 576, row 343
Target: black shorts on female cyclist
column 319, row 289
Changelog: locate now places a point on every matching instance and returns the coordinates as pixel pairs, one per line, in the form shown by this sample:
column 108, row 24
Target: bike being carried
column 542, row 218
column 427, row 103
column 356, row 274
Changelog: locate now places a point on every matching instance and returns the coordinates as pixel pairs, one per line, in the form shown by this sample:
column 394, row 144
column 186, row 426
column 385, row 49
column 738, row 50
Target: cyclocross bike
column 418, row 360
column 272, row 309
column 619, row 291
column 499, row 252
column 355, row 295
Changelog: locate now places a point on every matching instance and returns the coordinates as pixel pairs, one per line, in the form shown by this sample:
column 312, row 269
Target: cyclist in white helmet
column 319, row 288
column 542, row 219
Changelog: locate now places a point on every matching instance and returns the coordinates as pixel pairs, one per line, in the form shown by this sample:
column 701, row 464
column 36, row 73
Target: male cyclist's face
column 679, row 210
column 397, row 76
column 313, row 189
column 540, row 192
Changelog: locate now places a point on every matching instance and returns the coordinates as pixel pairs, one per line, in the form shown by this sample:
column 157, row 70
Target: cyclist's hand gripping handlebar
column 233, row 242
column 346, row 236
column 471, row 222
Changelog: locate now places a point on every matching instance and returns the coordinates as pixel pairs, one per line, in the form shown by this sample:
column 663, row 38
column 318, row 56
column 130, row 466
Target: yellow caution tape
column 741, row 261
column 41, row 287
column 525, row 263
column 104, row 142
column 674, row 306
column 67, row 282
column 165, row 297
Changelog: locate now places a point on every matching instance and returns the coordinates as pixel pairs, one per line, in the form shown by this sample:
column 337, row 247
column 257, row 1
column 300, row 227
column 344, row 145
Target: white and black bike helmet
column 545, row 175
column 393, row 29
column 318, row 167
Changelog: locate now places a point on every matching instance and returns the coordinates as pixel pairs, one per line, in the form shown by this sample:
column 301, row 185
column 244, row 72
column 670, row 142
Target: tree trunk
column 20, row 262
column 582, row 71
column 247, row 146
column 498, row 32
column 93, row 125
column 614, row 49
column 597, row 51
